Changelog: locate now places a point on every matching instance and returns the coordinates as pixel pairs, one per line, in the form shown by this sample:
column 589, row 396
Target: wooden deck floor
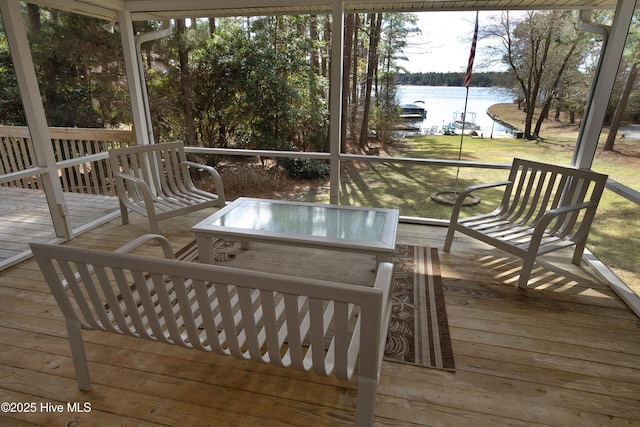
column 564, row 353
column 25, row 216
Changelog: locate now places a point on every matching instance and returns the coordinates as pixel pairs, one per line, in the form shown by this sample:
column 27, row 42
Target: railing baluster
column 83, row 172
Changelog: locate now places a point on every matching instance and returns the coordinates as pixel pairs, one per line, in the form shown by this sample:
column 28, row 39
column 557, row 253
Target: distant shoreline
column 453, row 79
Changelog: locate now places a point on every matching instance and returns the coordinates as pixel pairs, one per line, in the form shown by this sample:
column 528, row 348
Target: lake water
column 441, row 102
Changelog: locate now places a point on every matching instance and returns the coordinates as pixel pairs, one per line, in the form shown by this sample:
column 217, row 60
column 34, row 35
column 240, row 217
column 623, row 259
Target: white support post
column 335, row 100
column 136, row 93
column 36, row 118
column 602, row 86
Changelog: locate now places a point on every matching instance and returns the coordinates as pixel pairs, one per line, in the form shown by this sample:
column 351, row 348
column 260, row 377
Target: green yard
column 615, row 236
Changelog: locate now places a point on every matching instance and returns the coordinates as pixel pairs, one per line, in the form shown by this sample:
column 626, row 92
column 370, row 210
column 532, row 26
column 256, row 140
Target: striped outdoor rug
column 418, row 328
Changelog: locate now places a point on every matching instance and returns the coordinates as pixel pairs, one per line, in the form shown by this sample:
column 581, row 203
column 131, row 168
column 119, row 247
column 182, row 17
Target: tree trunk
column 315, row 36
column 354, row 79
column 622, row 105
column 346, row 72
column 528, row 120
column 554, row 87
column 34, row 17
column 375, row 25
column 185, row 84
column 326, row 54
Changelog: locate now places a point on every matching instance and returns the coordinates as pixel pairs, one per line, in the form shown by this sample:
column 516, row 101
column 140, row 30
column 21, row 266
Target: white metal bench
column 330, row 328
column 154, row 180
column 544, row 208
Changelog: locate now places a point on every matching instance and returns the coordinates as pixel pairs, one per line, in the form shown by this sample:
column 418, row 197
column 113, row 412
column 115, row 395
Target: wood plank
column 526, row 402
column 195, row 385
column 555, row 370
column 562, row 353
column 43, row 418
column 25, row 216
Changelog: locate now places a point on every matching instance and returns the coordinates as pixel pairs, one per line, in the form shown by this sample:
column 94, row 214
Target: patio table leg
column 205, row 249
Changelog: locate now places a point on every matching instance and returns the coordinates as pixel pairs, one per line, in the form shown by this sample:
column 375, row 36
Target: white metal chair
column 544, row 208
column 154, row 180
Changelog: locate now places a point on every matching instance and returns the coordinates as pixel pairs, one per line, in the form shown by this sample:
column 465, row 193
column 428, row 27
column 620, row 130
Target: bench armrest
column 136, row 243
column 146, row 238
column 127, row 177
column 546, row 219
column 214, row 174
column 566, row 209
column 457, row 206
column 553, row 213
column 139, row 186
column 473, row 188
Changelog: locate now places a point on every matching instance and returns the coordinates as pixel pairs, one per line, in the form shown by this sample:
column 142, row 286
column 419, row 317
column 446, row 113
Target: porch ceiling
column 164, row 9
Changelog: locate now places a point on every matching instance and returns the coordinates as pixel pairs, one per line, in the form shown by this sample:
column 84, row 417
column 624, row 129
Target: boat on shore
column 416, row 110
column 461, row 123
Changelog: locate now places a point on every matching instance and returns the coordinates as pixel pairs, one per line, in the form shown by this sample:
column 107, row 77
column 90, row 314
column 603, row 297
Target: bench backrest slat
column 538, row 187
column 160, row 165
column 288, row 321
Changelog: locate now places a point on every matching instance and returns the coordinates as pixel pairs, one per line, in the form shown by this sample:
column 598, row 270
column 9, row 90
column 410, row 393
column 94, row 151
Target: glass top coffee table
column 323, row 226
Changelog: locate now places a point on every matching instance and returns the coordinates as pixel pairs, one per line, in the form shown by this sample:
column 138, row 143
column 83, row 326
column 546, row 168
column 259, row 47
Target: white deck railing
column 81, row 157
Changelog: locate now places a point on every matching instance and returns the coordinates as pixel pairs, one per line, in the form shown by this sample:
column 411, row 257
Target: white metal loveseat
column 544, row 208
column 154, row 180
column 330, row 328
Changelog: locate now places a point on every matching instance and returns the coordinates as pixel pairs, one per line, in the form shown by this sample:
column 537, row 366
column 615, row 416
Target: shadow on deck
column 564, row 352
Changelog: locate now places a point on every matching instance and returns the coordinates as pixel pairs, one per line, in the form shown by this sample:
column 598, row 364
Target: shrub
column 304, row 168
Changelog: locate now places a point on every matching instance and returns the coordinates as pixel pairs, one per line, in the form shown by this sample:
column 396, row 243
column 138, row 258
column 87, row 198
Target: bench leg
column 366, row 402
column 525, row 273
column 153, row 226
column 124, row 214
column 578, row 252
column 78, row 355
column 449, row 239
column 153, row 222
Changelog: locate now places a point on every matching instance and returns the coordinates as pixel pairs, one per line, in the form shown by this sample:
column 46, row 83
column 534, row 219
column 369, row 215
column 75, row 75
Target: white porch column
column 36, row 118
column 603, row 86
column 136, row 92
column 335, row 100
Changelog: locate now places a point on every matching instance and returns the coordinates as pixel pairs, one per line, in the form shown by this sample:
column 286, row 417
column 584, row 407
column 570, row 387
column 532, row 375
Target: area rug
column 418, row 328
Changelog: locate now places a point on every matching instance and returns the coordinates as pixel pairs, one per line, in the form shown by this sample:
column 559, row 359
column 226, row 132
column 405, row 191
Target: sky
column 445, row 42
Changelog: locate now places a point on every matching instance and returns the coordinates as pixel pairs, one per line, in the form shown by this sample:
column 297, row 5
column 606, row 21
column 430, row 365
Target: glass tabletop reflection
column 332, row 222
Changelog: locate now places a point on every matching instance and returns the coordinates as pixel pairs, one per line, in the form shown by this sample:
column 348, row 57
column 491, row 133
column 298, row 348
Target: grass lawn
column 615, row 235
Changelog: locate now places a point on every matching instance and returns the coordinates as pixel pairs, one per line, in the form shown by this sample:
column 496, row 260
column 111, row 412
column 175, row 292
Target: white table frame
column 212, row 226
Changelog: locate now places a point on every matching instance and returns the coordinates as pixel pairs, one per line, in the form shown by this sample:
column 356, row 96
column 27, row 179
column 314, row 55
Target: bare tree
column 563, row 61
column 538, row 49
column 632, row 58
column 620, row 108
